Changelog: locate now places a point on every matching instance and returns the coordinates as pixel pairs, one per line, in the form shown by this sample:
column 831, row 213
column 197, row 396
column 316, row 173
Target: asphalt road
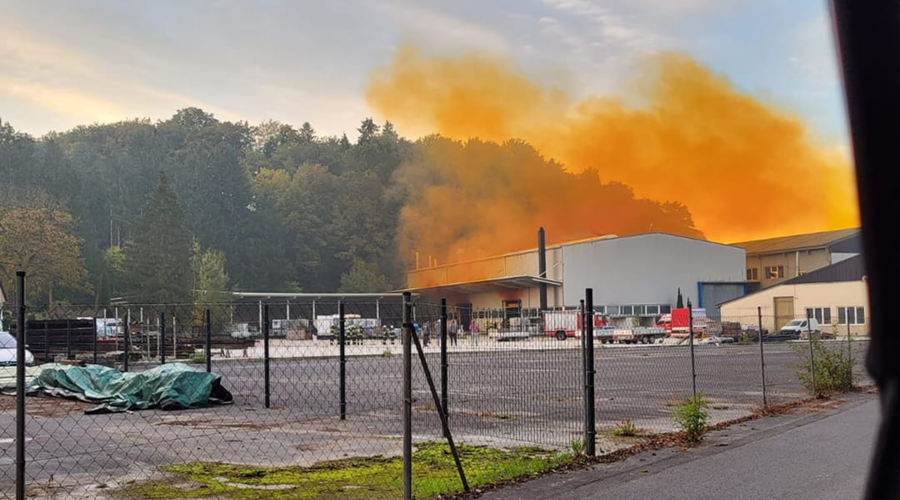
column 805, row 457
column 508, row 396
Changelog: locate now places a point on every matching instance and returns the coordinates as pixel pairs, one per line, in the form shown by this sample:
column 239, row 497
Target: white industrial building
column 633, row 275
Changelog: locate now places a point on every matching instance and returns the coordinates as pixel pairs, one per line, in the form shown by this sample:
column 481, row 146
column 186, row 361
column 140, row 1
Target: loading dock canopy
column 490, row 285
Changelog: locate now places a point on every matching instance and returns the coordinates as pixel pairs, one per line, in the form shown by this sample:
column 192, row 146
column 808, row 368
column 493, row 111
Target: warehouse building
column 835, row 295
column 631, row 276
column 775, row 260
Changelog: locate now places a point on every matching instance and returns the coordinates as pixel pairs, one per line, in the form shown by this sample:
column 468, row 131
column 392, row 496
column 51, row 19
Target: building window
column 753, row 274
column 626, row 310
column 851, row 315
column 665, row 309
column 822, row 314
column 774, row 272
column 652, row 310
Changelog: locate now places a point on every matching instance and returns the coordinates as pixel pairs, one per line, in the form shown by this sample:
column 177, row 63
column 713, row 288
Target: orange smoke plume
column 742, row 168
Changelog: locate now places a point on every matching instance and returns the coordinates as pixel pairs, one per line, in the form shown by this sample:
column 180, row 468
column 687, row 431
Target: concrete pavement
column 807, row 456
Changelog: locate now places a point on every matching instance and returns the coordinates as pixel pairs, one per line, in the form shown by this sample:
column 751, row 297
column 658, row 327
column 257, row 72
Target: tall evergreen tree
column 307, row 133
column 158, row 255
column 367, row 130
column 680, row 302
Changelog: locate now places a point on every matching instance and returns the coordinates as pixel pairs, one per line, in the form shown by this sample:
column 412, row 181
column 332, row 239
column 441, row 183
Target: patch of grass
column 745, row 339
column 674, row 401
column 434, row 475
column 387, row 353
column 692, row 418
column 577, row 447
column 427, row 406
column 625, row 429
column 833, row 368
column 199, row 359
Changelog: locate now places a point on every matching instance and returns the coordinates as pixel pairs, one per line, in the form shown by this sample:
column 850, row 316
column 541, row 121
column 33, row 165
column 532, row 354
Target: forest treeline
column 187, row 209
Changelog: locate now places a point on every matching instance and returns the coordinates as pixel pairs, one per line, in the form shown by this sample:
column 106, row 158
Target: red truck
column 677, row 323
column 565, row 324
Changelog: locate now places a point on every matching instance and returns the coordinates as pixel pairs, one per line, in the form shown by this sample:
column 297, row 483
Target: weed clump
column 692, row 418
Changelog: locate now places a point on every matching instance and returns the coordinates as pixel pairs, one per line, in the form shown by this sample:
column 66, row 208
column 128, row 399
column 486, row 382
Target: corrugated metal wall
column 647, row 269
column 712, row 294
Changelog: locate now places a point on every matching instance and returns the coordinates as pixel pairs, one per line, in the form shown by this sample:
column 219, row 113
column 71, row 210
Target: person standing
column 473, row 330
column 453, row 331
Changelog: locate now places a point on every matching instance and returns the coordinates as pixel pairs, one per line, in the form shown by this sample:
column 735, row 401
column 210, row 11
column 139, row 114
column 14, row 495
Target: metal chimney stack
column 542, row 266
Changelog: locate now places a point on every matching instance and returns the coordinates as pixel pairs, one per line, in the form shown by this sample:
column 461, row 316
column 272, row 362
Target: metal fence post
column 68, row 339
column 691, row 339
column 161, row 340
column 95, row 339
column 407, row 396
column 762, row 358
column 812, row 355
column 445, row 406
column 174, row 339
column 127, row 340
column 342, row 363
column 266, row 367
column 48, row 355
column 590, row 425
column 146, row 331
column 581, row 316
column 208, row 321
column 21, row 340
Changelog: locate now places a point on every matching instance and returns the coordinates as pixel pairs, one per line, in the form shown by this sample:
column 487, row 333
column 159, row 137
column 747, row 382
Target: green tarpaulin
column 174, row 386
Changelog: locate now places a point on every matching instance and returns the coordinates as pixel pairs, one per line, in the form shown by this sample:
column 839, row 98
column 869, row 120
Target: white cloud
column 444, row 29
column 21, row 52
column 608, row 25
column 71, row 103
column 80, row 87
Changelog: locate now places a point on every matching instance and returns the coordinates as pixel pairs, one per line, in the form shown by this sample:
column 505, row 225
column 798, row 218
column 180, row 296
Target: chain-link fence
column 304, row 391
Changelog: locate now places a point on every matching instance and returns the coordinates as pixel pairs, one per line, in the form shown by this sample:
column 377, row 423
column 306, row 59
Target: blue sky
column 65, row 63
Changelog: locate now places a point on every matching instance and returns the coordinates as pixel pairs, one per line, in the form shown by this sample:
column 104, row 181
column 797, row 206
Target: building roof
column 555, row 246
column 852, row 269
column 797, row 242
column 490, row 285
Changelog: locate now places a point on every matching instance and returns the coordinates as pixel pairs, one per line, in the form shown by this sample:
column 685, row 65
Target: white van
column 798, row 328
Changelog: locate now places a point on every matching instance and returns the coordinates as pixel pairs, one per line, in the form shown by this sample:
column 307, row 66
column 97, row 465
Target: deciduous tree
column 364, row 278
column 38, row 236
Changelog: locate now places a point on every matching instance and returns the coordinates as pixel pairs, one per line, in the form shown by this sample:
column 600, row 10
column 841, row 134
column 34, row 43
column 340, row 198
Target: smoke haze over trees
column 146, row 211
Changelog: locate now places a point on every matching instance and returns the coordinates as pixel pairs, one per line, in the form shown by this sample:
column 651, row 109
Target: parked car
column 715, row 340
column 798, row 328
column 8, row 351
